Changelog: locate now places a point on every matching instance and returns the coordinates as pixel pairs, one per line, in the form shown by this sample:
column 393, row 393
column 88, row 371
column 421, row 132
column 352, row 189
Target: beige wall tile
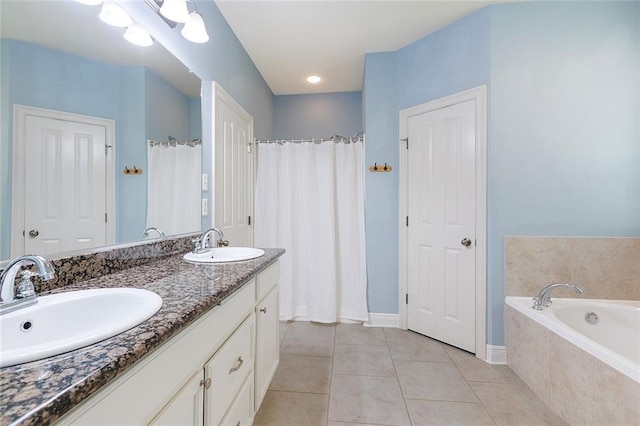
column 631, row 407
column 606, row 268
column 533, row 262
column 528, row 351
column 583, row 389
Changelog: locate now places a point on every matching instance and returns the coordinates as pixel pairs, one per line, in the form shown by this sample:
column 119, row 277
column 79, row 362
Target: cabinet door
column 267, row 343
column 187, row 407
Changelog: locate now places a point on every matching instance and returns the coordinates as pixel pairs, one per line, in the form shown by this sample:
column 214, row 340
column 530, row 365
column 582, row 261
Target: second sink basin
column 224, row 254
column 63, row 322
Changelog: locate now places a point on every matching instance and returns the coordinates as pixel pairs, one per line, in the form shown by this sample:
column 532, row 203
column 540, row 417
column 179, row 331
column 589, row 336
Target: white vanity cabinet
column 268, row 331
column 214, row 372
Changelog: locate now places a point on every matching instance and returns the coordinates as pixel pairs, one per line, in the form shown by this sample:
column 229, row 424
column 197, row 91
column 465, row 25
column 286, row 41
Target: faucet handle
column 25, row 287
column 223, row 243
column 196, row 245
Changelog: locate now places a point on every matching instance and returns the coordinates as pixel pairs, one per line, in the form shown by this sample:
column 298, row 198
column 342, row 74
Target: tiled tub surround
column 578, row 387
column 605, row 268
column 42, row 391
column 575, row 385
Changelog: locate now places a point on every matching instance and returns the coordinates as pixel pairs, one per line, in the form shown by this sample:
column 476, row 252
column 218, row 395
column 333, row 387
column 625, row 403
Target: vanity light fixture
column 194, row 29
column 137, row 35
column 175, row 10
column 112, row 14
column 314, row 79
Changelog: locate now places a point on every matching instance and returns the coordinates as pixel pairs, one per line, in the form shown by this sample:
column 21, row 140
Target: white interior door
column 233, row 171
column 65, row 186
column 441, row 197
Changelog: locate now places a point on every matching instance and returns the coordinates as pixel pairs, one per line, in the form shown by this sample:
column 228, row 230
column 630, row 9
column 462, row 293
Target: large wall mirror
column 61, row 64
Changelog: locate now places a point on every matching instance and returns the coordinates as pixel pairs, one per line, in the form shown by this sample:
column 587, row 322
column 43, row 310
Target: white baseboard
column 382, row 320
column 496, row 355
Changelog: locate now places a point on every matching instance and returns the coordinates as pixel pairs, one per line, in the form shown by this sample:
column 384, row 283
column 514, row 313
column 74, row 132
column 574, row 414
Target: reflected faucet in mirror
column 153, row 228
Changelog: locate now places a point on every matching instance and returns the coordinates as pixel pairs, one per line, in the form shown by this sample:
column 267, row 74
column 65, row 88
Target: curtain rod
column 358, row 137
column 174, row 142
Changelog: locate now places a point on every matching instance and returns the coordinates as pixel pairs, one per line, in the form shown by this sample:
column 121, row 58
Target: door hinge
column 105, row 218
column 407, row 221
column 406, row 298
column 106, row 149
column 406, row 140
column 249, row 148
column 249, row 220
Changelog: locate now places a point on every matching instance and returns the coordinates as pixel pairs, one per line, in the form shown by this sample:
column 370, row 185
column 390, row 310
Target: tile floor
column 333, row 375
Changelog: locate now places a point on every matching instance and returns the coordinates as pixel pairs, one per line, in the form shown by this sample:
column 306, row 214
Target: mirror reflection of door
column 64, row 159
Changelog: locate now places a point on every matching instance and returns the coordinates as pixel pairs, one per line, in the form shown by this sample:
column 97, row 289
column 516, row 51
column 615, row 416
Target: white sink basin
column 224, row 254
column 63, row 322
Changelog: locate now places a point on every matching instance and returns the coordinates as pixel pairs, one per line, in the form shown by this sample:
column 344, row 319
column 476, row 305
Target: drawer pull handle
column 206, row 383
column 263, row 310
column 238, row 365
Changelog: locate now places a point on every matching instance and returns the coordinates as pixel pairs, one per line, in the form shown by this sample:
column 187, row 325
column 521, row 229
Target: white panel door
column 441, row 222
column 233, row 171
column 65, row 186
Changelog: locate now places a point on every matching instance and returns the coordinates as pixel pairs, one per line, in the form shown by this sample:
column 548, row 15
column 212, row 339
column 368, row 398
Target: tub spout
column 543, row 298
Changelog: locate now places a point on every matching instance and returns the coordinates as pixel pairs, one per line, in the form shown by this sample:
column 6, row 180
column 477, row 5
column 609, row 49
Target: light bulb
column 137, row 35
column 112, row 14
column 175, row 10
column 194, row 30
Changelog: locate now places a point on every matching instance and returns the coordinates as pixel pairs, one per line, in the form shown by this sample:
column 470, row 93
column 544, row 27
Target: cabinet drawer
column 267, row 280
column 241, row 411
column 228, row 369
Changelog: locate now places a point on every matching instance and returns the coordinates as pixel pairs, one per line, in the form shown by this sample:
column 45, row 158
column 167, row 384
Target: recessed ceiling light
column 314, row 79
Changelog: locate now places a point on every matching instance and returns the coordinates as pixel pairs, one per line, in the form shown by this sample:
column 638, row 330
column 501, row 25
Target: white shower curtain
column 173, row 203
column 310, row 201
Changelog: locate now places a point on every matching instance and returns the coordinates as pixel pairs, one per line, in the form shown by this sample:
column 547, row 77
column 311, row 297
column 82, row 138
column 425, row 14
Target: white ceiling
column 75, row 28
column 289, row 40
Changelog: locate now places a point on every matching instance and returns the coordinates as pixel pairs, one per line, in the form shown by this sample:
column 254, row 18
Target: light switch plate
column 205, row 207
column 205, row 182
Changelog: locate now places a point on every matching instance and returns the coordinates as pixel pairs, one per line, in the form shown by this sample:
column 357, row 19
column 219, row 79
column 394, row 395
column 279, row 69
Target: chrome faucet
column 26, row 295
column 203, row 243
column 153, row 228
column 543, row 298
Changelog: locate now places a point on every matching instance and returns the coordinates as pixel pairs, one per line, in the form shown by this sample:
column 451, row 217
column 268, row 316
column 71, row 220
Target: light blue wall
column 319, row 115
column 563, row 137
column 381, row 189
column 564, row 151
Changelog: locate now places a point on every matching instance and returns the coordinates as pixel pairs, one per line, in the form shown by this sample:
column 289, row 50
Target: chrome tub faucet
column 10, row 300
column 543, row 299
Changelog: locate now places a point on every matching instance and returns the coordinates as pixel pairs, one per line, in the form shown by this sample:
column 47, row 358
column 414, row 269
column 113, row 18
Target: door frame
column 19, row 168
column 479, row 95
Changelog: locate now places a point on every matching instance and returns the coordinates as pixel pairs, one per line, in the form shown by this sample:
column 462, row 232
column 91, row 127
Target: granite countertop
column 40, row 392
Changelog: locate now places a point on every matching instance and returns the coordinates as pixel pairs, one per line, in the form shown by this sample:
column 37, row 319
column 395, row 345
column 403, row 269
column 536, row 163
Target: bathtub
column 614, row 339
column 587, row 374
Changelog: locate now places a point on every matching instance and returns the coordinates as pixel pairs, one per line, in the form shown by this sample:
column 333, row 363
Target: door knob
column 33, row 233
column 466, row 242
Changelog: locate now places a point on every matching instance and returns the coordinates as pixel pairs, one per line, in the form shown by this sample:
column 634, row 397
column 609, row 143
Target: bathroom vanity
column 206, row 357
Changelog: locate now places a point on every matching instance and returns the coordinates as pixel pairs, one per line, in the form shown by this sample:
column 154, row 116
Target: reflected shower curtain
column 310, row 201
column 173, row 203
